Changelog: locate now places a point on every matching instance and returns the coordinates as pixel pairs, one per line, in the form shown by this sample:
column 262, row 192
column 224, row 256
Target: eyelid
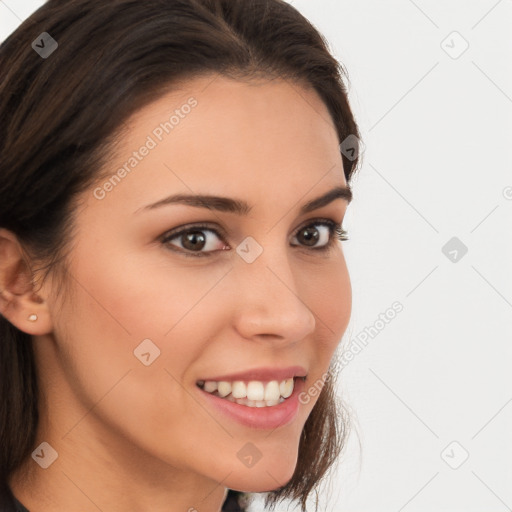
column 215, row 227
column 166, row 238
column 172, row 233
column 218, row 230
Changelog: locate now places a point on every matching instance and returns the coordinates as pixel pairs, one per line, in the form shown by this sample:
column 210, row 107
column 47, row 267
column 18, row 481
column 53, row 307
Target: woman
column 173, row 180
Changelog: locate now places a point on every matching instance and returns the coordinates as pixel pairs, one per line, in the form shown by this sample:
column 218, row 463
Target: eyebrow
column 241, row 207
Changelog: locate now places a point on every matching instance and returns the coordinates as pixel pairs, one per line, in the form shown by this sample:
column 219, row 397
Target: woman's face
column 150, row 318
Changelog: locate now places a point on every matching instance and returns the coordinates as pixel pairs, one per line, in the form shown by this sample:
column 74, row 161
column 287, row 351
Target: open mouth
column 252, row 393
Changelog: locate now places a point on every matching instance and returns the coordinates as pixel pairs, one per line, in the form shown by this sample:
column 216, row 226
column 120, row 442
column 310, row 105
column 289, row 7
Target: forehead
column 219, row 133
column 231, row 111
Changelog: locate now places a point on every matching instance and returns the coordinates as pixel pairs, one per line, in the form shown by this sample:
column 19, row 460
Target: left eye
column 312, row 235
column 193, row 239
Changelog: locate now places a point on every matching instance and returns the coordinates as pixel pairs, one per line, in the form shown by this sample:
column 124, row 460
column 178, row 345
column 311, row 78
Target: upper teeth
column 253, row 390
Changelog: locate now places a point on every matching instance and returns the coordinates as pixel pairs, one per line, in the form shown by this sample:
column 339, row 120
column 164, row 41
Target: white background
column 437, row 132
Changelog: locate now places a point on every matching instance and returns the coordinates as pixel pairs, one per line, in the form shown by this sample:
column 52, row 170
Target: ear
column 18, row 299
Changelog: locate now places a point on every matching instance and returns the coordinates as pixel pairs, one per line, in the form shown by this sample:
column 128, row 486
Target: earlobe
column 19, row 303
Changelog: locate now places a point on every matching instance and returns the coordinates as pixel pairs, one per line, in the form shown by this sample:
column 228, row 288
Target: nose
column 272, row 299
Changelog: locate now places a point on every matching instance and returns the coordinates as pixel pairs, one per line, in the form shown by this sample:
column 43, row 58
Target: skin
column 132, row 437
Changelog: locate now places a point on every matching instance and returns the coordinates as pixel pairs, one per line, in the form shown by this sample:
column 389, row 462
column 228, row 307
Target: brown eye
column 194, row 241
column 317, row 236
column 309, row 236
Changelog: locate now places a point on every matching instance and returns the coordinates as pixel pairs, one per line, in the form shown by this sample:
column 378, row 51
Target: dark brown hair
column 60, row 117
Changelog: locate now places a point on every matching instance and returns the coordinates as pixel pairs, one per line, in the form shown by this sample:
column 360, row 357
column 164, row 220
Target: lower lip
column 270, row 417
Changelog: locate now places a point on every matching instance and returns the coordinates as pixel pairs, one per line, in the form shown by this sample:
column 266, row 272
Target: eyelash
column 336, row 232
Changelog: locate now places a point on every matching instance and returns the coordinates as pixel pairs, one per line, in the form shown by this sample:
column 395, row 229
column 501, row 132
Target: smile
column 252, row 393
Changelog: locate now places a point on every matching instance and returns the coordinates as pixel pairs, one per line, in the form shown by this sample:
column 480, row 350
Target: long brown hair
column 59, row 117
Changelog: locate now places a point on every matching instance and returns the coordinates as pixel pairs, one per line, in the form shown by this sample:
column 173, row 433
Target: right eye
column 193, row 240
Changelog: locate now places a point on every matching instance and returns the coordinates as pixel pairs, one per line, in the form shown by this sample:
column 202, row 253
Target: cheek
column 142, row 296
column 127, row 312
column 331, row 302
column 116, row 306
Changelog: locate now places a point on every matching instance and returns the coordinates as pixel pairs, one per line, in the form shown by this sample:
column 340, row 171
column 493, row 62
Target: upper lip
column 262, row 374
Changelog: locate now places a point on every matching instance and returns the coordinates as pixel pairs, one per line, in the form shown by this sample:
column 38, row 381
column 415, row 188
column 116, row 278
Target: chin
column 261, row 479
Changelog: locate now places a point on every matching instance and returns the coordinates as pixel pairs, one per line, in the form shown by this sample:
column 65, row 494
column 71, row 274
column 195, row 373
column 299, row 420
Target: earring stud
column 32, row 318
